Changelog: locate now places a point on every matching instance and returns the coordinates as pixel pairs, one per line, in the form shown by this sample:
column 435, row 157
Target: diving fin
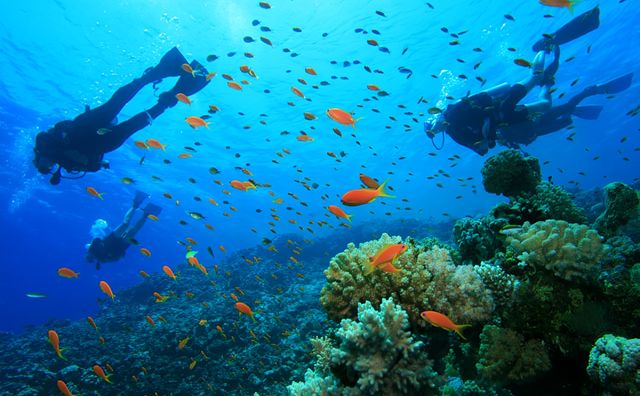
column 577, row 27
column 587, row 112
column 139, row 198
column 614, row 86
column 152, row 209
column 170, row 65
column 190, row 84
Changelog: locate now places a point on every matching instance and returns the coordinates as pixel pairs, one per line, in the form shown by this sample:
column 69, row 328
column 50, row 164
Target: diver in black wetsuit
column 495, row 115
column 79, row 145
column 113, row 246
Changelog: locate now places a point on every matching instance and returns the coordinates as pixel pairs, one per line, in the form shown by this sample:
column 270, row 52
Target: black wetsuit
column 111, row 248
column 79, row 145
column 465, row 120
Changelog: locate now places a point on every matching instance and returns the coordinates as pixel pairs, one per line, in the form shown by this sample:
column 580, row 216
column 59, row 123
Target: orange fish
column 152, row 217
column 196, row 122
column 373, row 87
column 183, row 343
column 145, row 251
column 150, row 321
column 55, row 342
column 372, row 42
column 100, row 373
column 67, row 273
column 167, row 270
column 143, row 274
column 310, row 117
column 568, row 4
column 385, row 258
column 367, row 181
column 187, row 67
column 106, row 289
column 92, row 322
column 183, row 98
column 155, row 143
column 160, row 298
column 244, row 309
column 185, row 155
column 297, row 92
column 234, row 85
column 442, row 321
column 62, row 387
column 310, row 70
column 336, row 210
column 140, row 144
column 101, row 339
column 243, row 186
column 342, row 117
column 364, row 195
column 304, row 138
column 94, row 192
column 210, row 76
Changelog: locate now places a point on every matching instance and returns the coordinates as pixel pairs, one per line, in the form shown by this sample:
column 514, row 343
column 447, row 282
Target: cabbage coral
column 570, row 251
column 428, row 280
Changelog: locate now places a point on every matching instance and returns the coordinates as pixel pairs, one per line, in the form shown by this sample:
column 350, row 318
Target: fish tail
column 459, row 328
column 356, row 120
column 59, row 353
column 382, row 192
column 369, row 268
column 349, row 218
column 100, row 196
column 253, row 317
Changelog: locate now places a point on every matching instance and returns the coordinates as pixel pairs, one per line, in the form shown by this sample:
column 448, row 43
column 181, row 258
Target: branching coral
column 477, row 238
column 570, row 251
column 614, row 363
column 376, row 355
column 428, row 280
column 505, row 356
column 501, row 284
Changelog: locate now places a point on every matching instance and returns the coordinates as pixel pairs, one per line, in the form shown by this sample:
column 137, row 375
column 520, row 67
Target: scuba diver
column 78, row 146
column 111, row 246
column 495, row 115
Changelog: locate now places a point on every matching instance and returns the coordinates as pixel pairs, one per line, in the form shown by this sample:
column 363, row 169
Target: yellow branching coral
column 428, row 280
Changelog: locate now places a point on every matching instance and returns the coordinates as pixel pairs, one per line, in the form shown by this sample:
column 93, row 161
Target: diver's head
column 43, row 150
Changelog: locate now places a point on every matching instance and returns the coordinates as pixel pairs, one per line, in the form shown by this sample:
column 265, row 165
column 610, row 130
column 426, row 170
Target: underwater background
column 273, row 243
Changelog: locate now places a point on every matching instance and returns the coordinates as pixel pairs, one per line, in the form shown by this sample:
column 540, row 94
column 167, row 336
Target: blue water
column 59, row 56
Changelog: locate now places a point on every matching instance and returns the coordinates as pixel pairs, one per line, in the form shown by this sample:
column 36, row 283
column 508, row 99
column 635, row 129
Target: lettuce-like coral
column 428, row 280
column 614, row 364
column 571, row 251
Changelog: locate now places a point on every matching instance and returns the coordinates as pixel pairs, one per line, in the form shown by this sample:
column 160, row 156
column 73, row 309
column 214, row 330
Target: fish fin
column 460, row 327
column 356, row 120
column 369, row 268
column 108, row 378
column 389, row 267
column 382, row 192
column 349, row 218
column 253, row 317
column 60, row 355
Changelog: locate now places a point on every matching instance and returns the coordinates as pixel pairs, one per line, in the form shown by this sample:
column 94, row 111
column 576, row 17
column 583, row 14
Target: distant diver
column 78, row 146
column 112, row 246
column 493, row 116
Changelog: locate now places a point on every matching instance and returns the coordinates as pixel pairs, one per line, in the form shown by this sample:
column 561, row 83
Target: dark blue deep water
column 59, row 56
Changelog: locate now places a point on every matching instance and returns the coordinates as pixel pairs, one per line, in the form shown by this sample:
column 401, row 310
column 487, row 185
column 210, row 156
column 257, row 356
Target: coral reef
column 571, row 251
column 614, row 364
column 429, row 280
column 477, row 239
column 502, row 285
column 621, row 204
column 547, row 202
column 509, row 173
column 505, row 356
column 376, row 355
